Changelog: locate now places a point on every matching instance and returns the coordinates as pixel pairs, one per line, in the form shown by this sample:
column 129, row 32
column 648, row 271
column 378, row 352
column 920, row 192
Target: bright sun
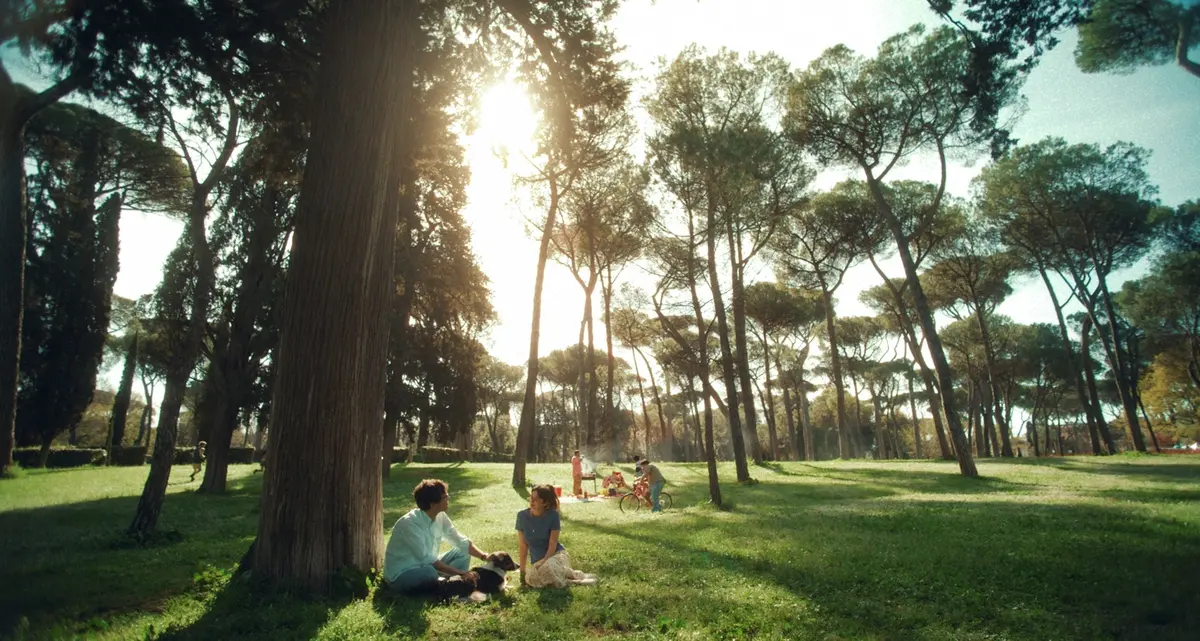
column 507, row 121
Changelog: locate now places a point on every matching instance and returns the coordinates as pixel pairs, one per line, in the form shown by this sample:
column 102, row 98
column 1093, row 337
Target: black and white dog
column 489, row 578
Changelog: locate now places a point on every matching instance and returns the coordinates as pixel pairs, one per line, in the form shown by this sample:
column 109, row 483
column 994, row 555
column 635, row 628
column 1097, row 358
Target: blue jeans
column 655, row 490
column 423, row 578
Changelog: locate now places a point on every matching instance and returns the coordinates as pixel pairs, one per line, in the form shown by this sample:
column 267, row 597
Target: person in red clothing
column 577, row 474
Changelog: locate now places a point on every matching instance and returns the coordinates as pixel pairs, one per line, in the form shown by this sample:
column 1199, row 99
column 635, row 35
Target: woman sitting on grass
column 537, row 540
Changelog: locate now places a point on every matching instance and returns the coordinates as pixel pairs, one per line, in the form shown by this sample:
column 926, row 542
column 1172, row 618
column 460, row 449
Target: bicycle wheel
column 630, row 503
column 664, row 500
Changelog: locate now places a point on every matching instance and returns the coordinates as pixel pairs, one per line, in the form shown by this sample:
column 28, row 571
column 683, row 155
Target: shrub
column 399, row 454
column 430, row 454
column 127, row 456
column 60, row 456
column 243, row 455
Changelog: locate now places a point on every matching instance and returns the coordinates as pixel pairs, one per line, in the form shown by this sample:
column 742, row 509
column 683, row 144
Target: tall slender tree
column 870, row 114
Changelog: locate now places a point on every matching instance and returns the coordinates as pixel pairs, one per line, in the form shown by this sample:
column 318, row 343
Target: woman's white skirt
column 556, row 572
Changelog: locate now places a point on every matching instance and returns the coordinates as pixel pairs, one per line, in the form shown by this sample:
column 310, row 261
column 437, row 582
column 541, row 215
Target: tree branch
column 50, row 95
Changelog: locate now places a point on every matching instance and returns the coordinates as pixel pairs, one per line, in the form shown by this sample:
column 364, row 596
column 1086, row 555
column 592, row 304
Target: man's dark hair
column 644, row 462
column 429, row 492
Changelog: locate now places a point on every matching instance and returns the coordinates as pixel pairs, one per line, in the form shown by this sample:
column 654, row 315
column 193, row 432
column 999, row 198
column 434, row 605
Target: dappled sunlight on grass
column 1033, row 550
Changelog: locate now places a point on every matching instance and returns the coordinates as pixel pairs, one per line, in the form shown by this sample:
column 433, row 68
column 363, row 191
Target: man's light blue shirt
column 415, row 540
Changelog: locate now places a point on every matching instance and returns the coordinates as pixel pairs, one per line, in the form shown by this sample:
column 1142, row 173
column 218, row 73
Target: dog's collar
column 491, row 567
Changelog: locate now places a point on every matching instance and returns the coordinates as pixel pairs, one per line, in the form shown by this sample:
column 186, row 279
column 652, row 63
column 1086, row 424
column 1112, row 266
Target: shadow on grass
column 1154, row 495
column 554, row 599
column 404, row 617
column 909, row 480
column 238, row 612
column 1135, row 468
column 936, row 568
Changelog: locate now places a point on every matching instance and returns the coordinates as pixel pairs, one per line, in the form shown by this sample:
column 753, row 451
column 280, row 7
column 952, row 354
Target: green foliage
column 85, row 167
column 1062, row 204
column 1122, row 35
column 127, row 456
column 856, row 550
column 431, row 454
column 60, row 457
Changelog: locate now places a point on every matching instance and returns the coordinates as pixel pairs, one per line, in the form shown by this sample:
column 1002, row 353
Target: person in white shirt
column 411, row 562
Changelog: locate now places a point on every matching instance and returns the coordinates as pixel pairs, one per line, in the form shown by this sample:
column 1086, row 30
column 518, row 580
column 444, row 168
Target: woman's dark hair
column 429, row 492
column 547, row 495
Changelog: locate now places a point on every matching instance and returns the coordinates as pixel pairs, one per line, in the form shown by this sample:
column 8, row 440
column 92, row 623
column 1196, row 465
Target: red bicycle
column 639, row 497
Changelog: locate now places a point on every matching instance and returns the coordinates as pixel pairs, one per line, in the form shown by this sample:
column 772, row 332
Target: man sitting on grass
column 411, row 563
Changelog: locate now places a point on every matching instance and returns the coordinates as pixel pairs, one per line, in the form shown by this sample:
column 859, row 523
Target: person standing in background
column 577, row 474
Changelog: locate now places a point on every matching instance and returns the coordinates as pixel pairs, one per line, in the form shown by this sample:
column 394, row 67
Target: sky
column 1153, row 107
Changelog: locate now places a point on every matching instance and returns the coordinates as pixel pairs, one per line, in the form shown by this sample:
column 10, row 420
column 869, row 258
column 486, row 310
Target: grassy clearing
column 1061, row 549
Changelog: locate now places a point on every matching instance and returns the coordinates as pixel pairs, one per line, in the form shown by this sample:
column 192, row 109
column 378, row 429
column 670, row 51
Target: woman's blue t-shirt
column 537, row 531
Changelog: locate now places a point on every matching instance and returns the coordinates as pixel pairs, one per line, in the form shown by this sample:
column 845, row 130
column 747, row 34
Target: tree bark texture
column 322, row 496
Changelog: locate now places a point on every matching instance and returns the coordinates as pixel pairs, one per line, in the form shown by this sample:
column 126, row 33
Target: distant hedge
column 60, row 456
column 399, row 454
column 183, row 455
column 430, row 454
column 129, row 456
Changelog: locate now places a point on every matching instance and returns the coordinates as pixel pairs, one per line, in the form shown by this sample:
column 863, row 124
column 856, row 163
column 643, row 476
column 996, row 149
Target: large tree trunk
column 914, row 346
column 147, row 413
column 116, row 422
column 424, row 418
column 606, row 293
column 1126, row 388
column 1091, row 412
column 590, row 364
column 993, row 385
column 941, row 365
column 1098, row 428
column 810, row 444
column 233, row 362
column 1033, row 435
column 742, row 345
column 793, row 437
column 769, row 402
column 710, row 451
column 145, row 519
column 15, row 111
column 12, row 261
column 529, row 406
column 183, row 360
column 216, row 464
column 662, row 420
column 839, row 384
column 637, row 373
column 322, row 496
column 729, row 376
column 916, row 423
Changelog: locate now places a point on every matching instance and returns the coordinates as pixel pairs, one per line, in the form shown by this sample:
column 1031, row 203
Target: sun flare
column 507, row 120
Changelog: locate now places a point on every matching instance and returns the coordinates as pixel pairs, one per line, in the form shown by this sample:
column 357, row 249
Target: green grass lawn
column 1062, row 549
